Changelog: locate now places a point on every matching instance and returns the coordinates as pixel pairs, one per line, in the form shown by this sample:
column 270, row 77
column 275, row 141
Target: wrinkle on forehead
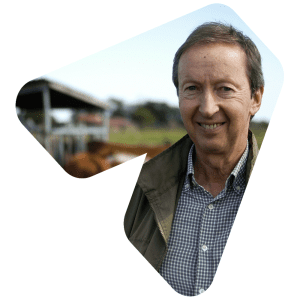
column 234, row 50
column 218, row 63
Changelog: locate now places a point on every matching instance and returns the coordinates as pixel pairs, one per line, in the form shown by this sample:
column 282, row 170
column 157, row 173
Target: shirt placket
column 205, row 267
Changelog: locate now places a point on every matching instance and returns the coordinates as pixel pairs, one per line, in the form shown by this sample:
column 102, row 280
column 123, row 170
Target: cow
column 102, row 156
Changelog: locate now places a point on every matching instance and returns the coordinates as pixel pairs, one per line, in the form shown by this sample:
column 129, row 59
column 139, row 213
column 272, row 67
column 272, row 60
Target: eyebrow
column 226, row 79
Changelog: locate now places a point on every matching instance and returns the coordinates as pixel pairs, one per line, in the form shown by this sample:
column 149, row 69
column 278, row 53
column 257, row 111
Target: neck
column 212, row 170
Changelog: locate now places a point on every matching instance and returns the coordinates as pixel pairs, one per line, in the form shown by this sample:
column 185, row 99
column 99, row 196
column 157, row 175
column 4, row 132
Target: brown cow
column 101, row 156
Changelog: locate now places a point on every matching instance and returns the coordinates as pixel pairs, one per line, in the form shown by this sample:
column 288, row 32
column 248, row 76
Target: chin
column 210, row 148
column 205, row 145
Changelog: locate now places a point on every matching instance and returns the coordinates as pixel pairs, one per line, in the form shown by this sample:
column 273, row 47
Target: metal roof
column 61, row 96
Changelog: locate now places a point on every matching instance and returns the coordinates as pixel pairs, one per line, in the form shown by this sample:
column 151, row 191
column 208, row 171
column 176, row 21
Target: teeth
column 210, row 126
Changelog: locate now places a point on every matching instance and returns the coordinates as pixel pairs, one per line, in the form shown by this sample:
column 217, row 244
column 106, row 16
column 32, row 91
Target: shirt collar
column 241, row 162
column 238, row 170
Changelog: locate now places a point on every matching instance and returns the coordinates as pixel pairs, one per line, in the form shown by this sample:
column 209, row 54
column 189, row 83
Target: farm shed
column 37, row 102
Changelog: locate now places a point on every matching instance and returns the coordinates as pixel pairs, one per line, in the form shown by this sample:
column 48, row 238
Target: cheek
column 236, row 112
column 186, row 113
column 187, row 107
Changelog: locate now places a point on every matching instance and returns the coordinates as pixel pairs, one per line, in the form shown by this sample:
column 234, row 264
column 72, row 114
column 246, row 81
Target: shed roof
column 61, row 96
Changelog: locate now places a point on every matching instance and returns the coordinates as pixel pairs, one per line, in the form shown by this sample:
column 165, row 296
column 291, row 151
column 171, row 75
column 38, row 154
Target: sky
column 140, row 68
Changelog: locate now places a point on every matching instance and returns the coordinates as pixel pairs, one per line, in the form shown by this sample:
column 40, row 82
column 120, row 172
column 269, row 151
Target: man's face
column 215, row 98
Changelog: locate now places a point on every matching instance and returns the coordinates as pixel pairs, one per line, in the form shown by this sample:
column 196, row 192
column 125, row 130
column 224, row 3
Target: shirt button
column 210, row 206
column 204, row 248
column 238, row 188
column 201, row 291
column 187, row 186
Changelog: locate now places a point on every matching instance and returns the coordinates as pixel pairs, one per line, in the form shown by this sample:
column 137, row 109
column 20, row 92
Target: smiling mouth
column 212, row 126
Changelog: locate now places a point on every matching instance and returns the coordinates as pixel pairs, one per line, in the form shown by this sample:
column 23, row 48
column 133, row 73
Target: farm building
column 40, row 101
column 119, row 124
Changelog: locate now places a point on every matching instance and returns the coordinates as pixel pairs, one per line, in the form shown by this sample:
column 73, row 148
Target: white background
column 63, row 238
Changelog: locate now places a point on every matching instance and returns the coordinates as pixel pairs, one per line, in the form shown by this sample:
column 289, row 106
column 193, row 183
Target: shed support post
column 47, row 117
column 107, row 114
column 61, row 150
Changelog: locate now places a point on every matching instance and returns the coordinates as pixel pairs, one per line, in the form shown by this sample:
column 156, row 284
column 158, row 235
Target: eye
column 191, row 88
column 226, row 89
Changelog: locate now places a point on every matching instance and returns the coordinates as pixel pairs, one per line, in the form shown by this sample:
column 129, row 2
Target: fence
column 62, row 143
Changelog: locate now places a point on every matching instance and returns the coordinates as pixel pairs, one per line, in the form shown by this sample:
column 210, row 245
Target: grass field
column 147, row 136
column 161, row 136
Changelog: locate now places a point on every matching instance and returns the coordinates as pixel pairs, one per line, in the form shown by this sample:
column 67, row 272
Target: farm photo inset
column 87, row 136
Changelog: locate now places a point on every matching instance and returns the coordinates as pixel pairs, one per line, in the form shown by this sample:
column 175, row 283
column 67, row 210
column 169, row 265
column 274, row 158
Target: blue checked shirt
column 200, row 230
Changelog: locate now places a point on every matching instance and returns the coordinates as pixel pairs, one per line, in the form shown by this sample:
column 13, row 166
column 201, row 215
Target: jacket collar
column 253, row 152
column 163, row 170
column 162, row 177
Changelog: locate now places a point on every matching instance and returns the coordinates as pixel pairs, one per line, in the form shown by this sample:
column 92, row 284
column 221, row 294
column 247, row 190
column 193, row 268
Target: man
column 186, row 198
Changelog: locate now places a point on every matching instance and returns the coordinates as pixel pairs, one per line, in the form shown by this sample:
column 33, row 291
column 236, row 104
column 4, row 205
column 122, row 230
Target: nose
column 208, row 105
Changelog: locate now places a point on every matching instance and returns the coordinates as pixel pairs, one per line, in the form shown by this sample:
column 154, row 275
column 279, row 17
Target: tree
column 118, row 107
column 143, row 117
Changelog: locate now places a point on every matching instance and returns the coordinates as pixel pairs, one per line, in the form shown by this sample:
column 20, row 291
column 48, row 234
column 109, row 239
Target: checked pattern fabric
column 200, row 230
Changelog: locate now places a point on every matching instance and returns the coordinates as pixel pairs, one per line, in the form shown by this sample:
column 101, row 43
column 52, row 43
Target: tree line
column 158, row 114
column 147, row 114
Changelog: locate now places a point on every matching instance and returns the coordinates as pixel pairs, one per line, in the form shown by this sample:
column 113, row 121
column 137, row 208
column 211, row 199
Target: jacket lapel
column 163, row 176
column 160, row 180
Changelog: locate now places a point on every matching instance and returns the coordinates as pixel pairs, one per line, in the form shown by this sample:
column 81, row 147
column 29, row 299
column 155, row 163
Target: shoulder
column 252, row 156
column 165, row 167
column 157, row 176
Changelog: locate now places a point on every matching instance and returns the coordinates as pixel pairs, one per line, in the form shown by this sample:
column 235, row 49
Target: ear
column 256, row 101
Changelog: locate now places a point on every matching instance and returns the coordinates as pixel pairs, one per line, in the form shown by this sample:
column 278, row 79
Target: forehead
column 218, row 59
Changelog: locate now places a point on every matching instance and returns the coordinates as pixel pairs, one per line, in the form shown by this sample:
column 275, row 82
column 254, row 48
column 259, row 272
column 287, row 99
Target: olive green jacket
column 151, row 210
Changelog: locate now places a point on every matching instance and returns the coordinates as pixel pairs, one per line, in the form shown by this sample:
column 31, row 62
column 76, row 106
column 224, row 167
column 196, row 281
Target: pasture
column 160, row 136
column 126, row 144
column 148, row 136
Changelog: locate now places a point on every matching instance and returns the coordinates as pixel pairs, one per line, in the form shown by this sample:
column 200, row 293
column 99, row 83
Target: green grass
column 147, row 136
column 161, row 136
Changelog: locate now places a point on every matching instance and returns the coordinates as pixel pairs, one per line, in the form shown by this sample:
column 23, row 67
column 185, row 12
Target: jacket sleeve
column 132, row 209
